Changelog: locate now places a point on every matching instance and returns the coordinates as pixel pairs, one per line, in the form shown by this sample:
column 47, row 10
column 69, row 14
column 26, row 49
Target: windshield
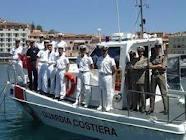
column 114, row 52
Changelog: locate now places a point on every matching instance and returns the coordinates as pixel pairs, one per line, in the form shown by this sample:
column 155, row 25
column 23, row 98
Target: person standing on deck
column 61, row 42
column 107, row 67
column 43, row 71
column 40, row 44
column 51, row 70
column 158, row 66
column 140, row 70
column 85, row 64
column 16, row 52
column 130, row 78
column 62, row 65
column 32, row 54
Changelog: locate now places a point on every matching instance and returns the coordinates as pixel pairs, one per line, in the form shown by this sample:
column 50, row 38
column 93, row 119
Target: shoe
column 56, row 98
column 86, row 106
column 135, row 109
column 108, row 109
column 142, row 110
column 75, row 104
column 164, row 112
column 99, row 108
column 61, row 98
column 149, row 111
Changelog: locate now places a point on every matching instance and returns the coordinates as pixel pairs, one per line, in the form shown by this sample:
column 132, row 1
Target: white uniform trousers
column 52, row 75
column 60, row 89
column 19, row 71
column 43, row 78
column 83, row 88
column 105, row 83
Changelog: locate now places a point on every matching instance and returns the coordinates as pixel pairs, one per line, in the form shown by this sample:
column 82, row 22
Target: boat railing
column 171, row 96
column 176, row 107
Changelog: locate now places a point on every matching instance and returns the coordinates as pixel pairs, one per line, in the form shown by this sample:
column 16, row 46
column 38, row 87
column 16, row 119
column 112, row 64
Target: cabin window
column 114, row 52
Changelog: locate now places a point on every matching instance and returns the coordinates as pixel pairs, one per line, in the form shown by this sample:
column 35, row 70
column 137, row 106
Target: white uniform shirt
column 105, row 64
column 15, row 52
column 84, row 63
column 62, row 62
column 54, row 43
column 52, row 57
column 43, row 56
column 40, row 45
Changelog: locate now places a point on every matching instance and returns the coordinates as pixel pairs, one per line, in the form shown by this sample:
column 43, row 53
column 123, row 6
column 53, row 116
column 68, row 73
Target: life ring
column 73, row 82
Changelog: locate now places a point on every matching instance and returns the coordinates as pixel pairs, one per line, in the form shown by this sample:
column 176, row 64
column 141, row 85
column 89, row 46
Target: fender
column 73, row 82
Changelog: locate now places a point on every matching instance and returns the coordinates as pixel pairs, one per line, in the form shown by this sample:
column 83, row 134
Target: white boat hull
column 96, row 124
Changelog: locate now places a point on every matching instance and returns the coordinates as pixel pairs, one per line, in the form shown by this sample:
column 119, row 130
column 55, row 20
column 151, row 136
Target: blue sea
column 16, row 125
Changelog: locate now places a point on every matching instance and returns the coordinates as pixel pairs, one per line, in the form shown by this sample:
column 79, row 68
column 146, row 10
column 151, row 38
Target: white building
column 9, row 31
column 177, row 44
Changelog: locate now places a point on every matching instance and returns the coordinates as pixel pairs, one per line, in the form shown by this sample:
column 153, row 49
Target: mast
column 142, row 20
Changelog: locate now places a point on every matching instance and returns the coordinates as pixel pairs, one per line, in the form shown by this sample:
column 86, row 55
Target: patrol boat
column 120, row 122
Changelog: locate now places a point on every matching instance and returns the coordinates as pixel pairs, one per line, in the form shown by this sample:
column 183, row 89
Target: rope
column 3, row 95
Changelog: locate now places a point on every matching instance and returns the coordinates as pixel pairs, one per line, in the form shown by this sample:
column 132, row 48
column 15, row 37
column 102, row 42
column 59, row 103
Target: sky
column 86, row 16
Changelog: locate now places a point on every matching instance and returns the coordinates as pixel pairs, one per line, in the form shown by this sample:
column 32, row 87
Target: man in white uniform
column 16, row 56
column 51, row 70
column 107, row 68
column 40, row 44
column 85, row 64
column 16, row 52
column 43, row 70
column 62, row 65
column 61, row 42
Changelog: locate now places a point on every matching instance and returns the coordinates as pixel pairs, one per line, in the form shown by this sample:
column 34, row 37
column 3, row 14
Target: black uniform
column 32, row 52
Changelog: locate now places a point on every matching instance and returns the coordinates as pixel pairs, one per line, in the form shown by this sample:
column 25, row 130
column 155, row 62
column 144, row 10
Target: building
column 9, row 31
column 177, row 43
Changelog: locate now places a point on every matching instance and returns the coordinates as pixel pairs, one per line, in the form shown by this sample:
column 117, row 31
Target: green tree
column 52, row 31
column 39, row 27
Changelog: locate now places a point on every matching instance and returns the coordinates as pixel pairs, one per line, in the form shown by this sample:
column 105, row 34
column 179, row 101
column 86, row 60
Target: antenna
column 142, row 20
column 118, row 17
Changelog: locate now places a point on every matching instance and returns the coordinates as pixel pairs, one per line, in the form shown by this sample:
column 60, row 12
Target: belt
column 157, row 73
column 83, row 71
column 105, row 74
column 60, row 69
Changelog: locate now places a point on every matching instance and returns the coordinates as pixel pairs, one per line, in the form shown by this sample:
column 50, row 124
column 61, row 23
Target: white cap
column 60, row 34
column 103, row 46
column 60, row 45
column 17, row 39
column 83, row 46
column 46, row 41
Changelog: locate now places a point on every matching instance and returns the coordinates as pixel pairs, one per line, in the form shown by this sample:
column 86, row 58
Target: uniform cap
column 60, row 34
column 60, row 45
column 103, row 46
column 46, row 41
column 18, row 39
column 83, row 47
column 49, row 44
column 51, row 35
column 140, row 49
column 132, row 53
column 31, row 40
